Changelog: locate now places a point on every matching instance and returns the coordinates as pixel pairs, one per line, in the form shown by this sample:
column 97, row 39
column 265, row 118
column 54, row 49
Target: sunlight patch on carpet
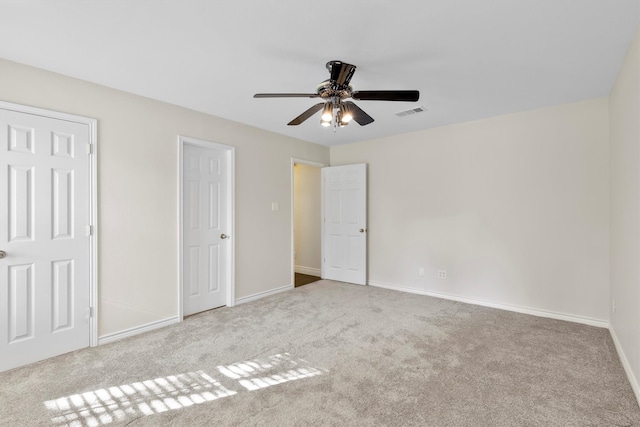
column 107, row 405
column 259, row 374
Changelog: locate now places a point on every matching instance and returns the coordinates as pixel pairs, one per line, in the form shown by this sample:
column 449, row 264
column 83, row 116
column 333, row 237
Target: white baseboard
column 105, row 339
column 525, row 310
column 625, row 364
column 307, row 270
column 259, row 295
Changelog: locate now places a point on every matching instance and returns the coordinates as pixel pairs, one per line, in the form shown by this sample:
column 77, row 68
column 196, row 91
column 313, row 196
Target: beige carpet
column 337, row 355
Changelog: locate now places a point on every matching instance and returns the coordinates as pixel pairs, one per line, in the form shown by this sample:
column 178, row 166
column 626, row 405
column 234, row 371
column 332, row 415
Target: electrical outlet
column 421, row 271
column 442, row 274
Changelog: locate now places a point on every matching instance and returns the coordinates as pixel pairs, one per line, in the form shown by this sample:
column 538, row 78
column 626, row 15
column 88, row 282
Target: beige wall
column 307, row 204
column 625, row 210
column 514, row 208
column 137, row 173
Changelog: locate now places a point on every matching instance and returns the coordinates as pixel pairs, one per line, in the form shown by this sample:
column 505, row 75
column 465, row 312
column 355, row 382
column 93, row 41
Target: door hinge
column 89, row 230
column 92, row 312
column 89, row 149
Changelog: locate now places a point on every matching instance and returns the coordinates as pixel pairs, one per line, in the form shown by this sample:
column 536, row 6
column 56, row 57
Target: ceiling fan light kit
column 327, row 112
column 334, row 92
column 345, row 114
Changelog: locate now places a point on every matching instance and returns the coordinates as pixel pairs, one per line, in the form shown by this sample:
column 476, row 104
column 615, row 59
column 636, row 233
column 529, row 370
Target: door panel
column 62, row 291
column 214, row 206
column 205, row 252
column 193, row 260
column 345, row 223
column 21, row 302
column 45, row 277
column 62, row 195
column 214, row 274
column 21, row 206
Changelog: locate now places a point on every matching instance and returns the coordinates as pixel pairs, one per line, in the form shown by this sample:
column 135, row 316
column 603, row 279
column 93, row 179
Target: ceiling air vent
column 411, row 111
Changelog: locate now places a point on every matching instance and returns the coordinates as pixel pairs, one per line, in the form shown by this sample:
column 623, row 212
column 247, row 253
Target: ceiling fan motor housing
column 328, row 90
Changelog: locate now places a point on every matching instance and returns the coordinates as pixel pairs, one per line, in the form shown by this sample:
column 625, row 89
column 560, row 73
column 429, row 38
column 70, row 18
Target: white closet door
column 44, row 217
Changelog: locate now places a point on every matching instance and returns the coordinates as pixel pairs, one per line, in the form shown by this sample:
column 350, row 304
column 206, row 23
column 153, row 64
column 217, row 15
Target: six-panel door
column 345, row 223
column 44, row 278
column 205, row 228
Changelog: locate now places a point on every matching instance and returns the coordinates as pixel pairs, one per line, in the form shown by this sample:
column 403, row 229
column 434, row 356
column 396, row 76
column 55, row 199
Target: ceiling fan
column 335, row 92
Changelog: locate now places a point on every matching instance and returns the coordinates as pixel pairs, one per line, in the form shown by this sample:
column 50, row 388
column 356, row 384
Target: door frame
column 93, row 229
column 231, row 209
column 295, row 160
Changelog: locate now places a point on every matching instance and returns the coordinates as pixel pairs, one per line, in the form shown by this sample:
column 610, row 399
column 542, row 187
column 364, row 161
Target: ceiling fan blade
column 359, row 116
column 341, row 72
column 304, row 116
column 286, row 95
column 386, row 95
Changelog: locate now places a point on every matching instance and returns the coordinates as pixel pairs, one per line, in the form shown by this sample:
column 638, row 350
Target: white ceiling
column 468, row 58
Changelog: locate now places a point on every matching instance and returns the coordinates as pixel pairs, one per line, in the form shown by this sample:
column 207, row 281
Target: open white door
column 344, row 226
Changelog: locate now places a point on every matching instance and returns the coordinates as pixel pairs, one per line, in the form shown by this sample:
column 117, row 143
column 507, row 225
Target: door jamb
column 231, row 154
column 295, row 160
column 93, row 201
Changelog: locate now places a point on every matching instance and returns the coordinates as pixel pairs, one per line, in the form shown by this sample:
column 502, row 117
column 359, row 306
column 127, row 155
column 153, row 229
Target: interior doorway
column 306, row 221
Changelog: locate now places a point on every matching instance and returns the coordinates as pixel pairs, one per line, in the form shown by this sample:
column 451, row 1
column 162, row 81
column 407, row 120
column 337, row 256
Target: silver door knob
column 362, row 230
column 223, row 236
column 3, row 254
